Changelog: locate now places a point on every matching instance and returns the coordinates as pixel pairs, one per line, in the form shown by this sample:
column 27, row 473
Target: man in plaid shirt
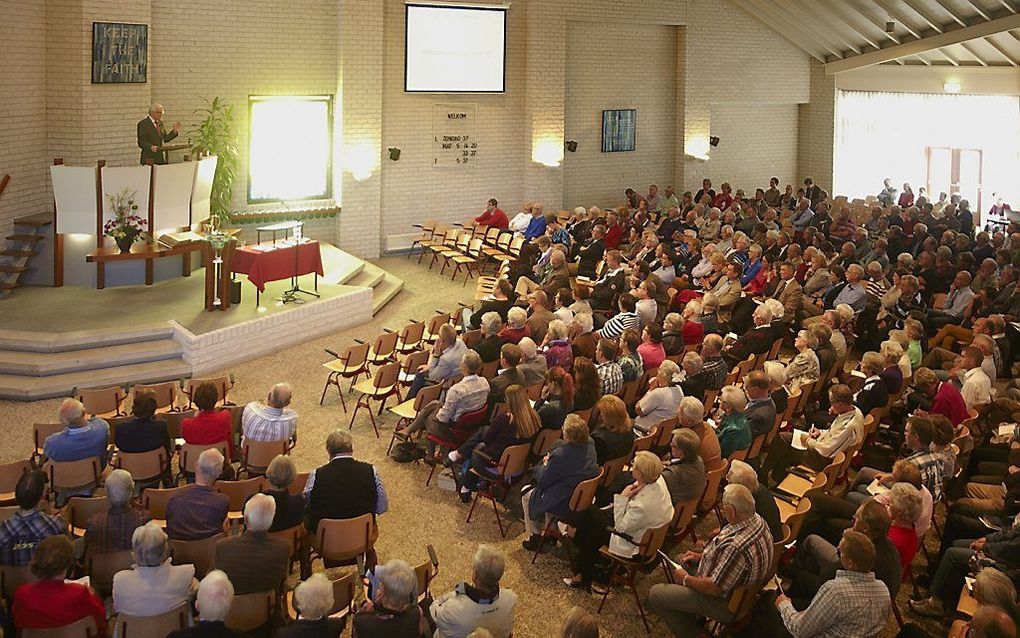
column 610, row 372
column 714, row 366
column 25, row 529
column 740, row 555
column 854, row 604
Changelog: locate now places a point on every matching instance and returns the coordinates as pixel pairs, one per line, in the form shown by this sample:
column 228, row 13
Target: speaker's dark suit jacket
column 149, row 136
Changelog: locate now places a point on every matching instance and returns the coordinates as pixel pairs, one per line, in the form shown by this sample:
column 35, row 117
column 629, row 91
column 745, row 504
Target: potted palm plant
column 216, row 134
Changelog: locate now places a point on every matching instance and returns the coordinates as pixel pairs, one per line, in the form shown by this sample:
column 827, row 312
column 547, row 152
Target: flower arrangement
column 126, row 227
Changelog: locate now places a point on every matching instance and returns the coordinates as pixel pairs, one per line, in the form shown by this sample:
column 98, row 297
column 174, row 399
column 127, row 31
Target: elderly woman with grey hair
column 803, row 368
column 313, row 601
column 392, row 611
column 152, row 586
column 290, row 508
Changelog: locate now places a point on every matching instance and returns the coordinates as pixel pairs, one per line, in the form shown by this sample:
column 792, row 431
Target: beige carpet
column 418, row 515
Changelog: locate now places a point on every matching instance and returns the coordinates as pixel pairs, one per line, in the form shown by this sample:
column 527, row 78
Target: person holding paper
column 152, row 134
column 816, row 448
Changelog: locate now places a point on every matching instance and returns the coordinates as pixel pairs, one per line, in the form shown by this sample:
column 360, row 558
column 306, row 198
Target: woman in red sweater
column 210, row 426
column 51, row 602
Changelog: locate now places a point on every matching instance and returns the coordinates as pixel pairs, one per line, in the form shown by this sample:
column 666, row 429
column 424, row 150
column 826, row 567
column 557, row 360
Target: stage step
column 25, row 388
column 35, row 364
column 10, row 252
column 49, row 342
column 385, row 291
column 26, row 237
column 39, row 220
column 369, row 277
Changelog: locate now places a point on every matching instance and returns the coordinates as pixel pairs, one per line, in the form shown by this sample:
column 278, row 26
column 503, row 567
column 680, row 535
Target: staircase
column 21, row 246
column 37, row 365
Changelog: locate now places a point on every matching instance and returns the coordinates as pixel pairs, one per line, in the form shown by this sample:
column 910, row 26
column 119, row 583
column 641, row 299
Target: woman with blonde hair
column 804, row 367
column 579, row 624
column 892, row 375
column 643, row 505
column 614, row 436
column 516, row 426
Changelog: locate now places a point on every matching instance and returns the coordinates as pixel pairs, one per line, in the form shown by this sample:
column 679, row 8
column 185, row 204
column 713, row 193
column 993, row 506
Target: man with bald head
column 152, row 134
column 81, row 437
column 272, row 421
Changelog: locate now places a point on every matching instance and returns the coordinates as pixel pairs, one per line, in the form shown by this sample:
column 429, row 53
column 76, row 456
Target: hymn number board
column 453, row 135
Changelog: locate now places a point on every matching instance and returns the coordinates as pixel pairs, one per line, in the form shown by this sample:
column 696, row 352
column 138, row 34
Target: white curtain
column 881, row 135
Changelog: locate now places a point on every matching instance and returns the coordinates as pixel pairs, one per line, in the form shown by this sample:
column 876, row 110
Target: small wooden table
column 146, row 251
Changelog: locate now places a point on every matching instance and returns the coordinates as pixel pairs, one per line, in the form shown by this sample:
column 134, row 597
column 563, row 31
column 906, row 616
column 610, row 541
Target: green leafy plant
column 216, row 134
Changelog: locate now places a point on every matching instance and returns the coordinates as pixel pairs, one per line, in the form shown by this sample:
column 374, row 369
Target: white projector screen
column 455, row 49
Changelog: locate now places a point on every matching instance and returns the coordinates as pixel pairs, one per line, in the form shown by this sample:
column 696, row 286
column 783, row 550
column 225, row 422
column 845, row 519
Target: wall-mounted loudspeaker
column 394, row 154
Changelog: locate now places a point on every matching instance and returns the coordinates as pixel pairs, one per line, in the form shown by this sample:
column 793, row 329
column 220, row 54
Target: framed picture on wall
column 619, row 130
column 119, row 53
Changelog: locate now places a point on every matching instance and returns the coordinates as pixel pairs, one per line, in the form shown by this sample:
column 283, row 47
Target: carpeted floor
column 418, row 515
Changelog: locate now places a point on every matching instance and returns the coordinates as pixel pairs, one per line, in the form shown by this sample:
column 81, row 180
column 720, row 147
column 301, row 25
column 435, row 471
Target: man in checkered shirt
column 610, row 372
column 25, row 529
column 740, row 555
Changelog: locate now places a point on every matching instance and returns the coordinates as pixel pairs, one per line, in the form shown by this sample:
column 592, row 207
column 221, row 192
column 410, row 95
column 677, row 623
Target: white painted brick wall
column 816, row 134
column 758, row 141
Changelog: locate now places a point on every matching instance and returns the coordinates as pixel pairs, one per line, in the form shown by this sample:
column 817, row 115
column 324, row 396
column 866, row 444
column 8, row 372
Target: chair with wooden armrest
column 384, row 349
column 83, row 628
column 251, row 611
column 128, row 626
column 409, row 409
column 199, row 553
column 81, row 508
column 789, row 505
column 350, row 365
column 380, row 387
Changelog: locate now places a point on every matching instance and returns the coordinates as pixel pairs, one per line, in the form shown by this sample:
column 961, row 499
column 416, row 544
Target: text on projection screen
column 455, row 49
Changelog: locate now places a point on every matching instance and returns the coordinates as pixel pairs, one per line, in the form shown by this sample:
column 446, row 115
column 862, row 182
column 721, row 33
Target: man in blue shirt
column 80, row 439
column 536, row 227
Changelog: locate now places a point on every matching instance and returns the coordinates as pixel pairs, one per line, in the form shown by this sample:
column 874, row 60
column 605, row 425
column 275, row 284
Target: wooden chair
column 796, row 520
column 409, row 409
column 683, row 514
column 188, row 456
column 384, row 349
column 709, row 498
column 12, row 577
column 251, row 611
column 40, row 432
column 298, row 485
column 543, row 442
column 350, row 365
column 580, row 499
column 239, row 492
column 512, row 464
column 295, row 537
column 155, row 499
column 428, row 231
column 73, row 476
column 788, row 504
column 341, row 541
column 343, row 598
column 434, row 324
column 802, row 478
column 409, row 366
column 166, row 394
column 257, row 455
column 379, row 388
column 647, row 553
column 740, row 603
column 470, row 261
column 101, row 568
column 645, row 443
column 127, row 626
column 84, row 628
column 426, row 572
column 82, row 508
column 223, row 386
column 174, row 420
column 710, row 398
column 199, row 553
column 7, row 511
column 145, row 467
column 466, row 425
column 104, row 402
column 10, row 474
column 612, row 469
column 411, row 337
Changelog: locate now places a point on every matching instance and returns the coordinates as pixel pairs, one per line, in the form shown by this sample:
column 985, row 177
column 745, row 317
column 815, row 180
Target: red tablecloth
column 272, row 265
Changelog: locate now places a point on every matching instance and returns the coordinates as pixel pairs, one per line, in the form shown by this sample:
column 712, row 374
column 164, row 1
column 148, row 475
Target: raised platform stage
column 56, row 339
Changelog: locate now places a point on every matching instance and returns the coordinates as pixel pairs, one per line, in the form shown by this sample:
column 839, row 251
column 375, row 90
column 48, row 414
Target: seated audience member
column 853, row 603
column 23, row 530
column 629, row 359
column 684, row 473
column 556, row 347
column 976, row 385
column 960, row 297
column 733, row 431
column 313, row 600
column 255, row 561
column 918, row 434
column 579, row 624
column 610, row 372
column 643, row 505
column 625, row 319
column 614, row 436
column 493, row 217
column 80, row 439
column 392, row 611
column 804, row 367
column 516, row 327
column 583, row 340
column 992, row 622
column 557, row 399
column 488, row 347
column 905, row 511
column 539, row 315
column 936, row 397
column 444, row 363
column 714, row 365
column 213, row 602
column 197, row 511
column 693, row 330
column 662, row 399
column 52, row 602
column 470, row 394
column 144, row 432
column 740, row 555
column 510, row 357
column 345, row 487
column 817, row 560
column 651, row 351
column 290, row 508
column 570, row 461
column 672, row 334
column 209, row 426
column 502, row 299
column 586, row 384
column 874, row 393
column 479, row 603
column 761, row 409
column 694, row 375
column 152, row 586
column 892, row 375
column 692, row 416
column 482, row 452
column 992, row 590
column 757, row 340
column 776, row 372
column 111, row 531
column 825, row 352
column 273, row 421
column 764, row 503
column 533, row 365
column 820, row 446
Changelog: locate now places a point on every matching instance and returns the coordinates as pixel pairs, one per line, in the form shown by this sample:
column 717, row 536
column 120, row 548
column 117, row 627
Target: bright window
column 289, row 148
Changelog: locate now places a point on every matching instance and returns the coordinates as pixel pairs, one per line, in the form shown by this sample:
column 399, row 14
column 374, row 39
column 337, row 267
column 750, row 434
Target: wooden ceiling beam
column 1003, row 52
column 786, row 24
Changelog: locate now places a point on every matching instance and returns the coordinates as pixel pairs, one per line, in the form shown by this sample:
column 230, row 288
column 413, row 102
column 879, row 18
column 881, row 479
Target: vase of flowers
column 126, row 227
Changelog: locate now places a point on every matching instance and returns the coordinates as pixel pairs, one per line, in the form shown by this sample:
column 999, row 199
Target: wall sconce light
column 394, row 154
column 571, row 146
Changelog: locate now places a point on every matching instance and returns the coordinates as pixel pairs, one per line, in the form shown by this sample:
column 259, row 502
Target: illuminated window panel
column 289, row 148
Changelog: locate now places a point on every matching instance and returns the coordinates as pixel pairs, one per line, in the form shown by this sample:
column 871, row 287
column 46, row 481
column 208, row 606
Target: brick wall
column 23, row 110
column 597, row 53
column 756, row 142
column 816, row 134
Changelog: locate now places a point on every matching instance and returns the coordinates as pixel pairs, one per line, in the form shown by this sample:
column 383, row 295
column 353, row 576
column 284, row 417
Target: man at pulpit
column 152, row 134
